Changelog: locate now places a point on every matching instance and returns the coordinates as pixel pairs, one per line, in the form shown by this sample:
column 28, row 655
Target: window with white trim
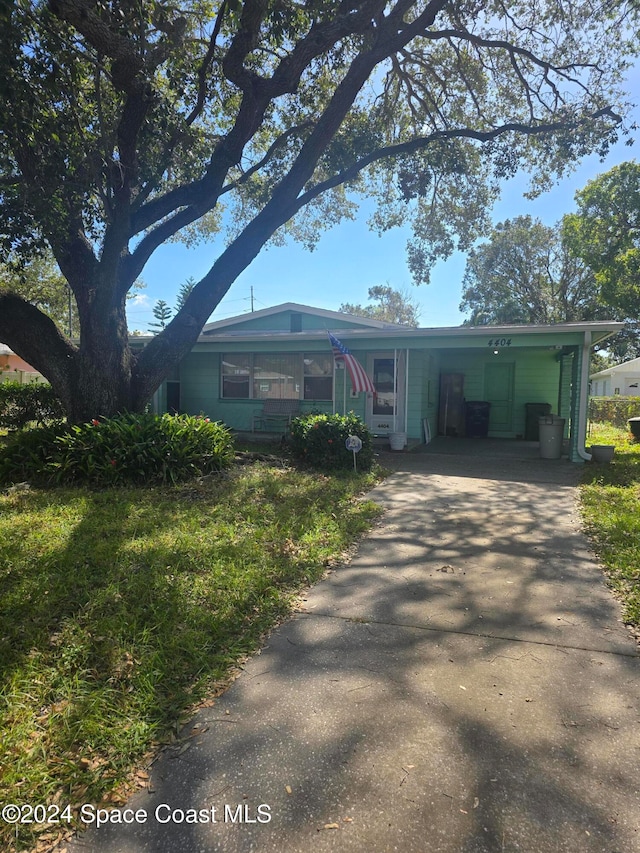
column 277, row 376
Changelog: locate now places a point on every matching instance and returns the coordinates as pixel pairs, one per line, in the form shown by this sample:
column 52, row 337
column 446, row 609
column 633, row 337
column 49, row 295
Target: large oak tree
column 127, row 124
column 605, row 233
column 526, row 273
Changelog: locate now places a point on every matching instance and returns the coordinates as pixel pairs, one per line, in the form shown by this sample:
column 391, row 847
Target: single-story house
column 623, row 379
column 469, row 380
column 15, row 369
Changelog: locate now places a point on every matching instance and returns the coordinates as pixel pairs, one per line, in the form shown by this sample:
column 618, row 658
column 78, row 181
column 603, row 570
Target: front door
column 381, row 406
column 498, row 390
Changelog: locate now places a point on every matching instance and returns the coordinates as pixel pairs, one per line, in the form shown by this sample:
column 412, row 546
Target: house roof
column 233, row 328
column 366, row 322
column 255, row 326
column 632, row 366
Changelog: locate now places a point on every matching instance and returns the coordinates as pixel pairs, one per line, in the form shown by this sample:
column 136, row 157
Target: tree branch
column 421, row 142
column 182, row 331
column 205, row 65
column 34, row 335
column 515, row 50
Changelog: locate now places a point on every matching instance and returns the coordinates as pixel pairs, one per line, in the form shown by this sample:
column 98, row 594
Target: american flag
column 359, row 379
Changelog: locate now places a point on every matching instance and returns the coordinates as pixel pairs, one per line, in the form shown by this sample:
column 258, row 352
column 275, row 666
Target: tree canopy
column 605, row 233
column 127, row 124
column 525, row 273
column 40, row 282
column 394, row 306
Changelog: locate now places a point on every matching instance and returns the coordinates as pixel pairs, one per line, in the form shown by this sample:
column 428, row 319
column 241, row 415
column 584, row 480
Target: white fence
column 24, row 377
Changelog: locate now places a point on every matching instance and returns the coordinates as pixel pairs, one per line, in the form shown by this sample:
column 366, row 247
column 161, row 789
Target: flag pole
column 344, row 392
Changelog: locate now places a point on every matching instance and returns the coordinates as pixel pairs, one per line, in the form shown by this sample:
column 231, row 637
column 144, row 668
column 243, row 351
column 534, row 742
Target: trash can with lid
column 476, row 418
column 551, row 434
column 533, row 413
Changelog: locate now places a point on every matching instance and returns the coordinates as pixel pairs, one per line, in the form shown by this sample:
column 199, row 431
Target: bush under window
column 320, row 441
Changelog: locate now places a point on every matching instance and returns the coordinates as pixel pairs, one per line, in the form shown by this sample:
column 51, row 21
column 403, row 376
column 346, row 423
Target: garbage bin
column 534, row 411
column 551, row 434
column 634, row 426
column 476, row 418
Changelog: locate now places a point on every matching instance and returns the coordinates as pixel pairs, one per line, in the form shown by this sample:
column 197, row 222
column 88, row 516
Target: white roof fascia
column 600, row 330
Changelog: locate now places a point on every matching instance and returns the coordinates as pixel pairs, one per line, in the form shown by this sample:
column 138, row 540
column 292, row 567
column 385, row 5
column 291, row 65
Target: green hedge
column 21, row 405
column 614, row 410
column 320, row 442
column 128, row 449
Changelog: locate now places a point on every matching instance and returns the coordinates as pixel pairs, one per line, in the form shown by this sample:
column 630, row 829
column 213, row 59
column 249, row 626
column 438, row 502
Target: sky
column 349, row 258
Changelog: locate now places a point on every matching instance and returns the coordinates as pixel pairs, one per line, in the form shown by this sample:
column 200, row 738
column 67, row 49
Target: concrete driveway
column 464, row 685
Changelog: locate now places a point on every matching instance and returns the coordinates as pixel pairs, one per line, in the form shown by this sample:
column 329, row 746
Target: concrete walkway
column 465, row 685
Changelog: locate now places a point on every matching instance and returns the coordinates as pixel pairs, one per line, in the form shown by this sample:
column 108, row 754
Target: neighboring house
column 623, row 379
column 422, row 376
column 15, row 369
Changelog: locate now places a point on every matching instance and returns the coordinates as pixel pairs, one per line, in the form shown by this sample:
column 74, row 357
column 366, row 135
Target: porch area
column 510, row 448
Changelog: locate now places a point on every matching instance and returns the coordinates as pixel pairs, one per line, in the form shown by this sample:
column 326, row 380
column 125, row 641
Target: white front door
column 382, row 406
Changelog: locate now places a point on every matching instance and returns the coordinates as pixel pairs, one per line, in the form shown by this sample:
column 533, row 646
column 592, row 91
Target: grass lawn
column 121, row 609
column 611, row 510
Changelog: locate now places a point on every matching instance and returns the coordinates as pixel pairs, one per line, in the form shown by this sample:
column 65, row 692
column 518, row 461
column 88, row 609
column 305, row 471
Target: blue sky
column 349, row 259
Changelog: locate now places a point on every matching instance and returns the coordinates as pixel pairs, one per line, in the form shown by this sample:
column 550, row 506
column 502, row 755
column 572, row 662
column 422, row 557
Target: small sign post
column 354, row 443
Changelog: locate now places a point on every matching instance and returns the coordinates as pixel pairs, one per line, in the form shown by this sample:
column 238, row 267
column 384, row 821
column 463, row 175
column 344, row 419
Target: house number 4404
column 499, row 342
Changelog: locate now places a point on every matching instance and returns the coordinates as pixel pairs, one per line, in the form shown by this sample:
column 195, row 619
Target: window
column 236, row 375
column 318, row 377
column 277, row 376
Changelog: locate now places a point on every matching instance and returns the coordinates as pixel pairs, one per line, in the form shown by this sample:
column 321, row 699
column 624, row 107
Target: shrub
column 127, row 449
column 320, row 441
column 24, row 404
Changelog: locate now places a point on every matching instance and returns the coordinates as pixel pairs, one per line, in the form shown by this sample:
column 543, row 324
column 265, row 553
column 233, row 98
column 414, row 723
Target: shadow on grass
column 462, row 687
column 119, row 608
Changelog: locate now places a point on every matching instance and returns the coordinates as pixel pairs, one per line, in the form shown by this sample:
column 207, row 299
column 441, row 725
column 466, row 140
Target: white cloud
column 140, row 300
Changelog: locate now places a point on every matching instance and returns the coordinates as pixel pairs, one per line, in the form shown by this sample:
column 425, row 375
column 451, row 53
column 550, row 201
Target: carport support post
column 577, row 452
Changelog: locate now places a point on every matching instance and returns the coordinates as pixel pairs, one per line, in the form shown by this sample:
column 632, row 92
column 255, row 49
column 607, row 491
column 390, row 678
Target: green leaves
column 23, row 404
column 119, row 451
column 320, row 442
column 605, row 233
column 137, row 120
column 393, row 306
column 524, row 273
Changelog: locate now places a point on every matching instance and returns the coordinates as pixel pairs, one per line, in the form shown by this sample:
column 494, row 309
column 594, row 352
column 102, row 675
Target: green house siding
column 199, row 383
column 200, row 391
column 508, row 367
column 416, row 392
column 431, row 392
column 538, row 378
column 535, row 377
column 536, row 373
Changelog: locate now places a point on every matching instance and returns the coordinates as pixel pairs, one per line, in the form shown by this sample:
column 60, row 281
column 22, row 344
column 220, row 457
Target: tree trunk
column 100, row 388
column 102, row 369
column 93, row 378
